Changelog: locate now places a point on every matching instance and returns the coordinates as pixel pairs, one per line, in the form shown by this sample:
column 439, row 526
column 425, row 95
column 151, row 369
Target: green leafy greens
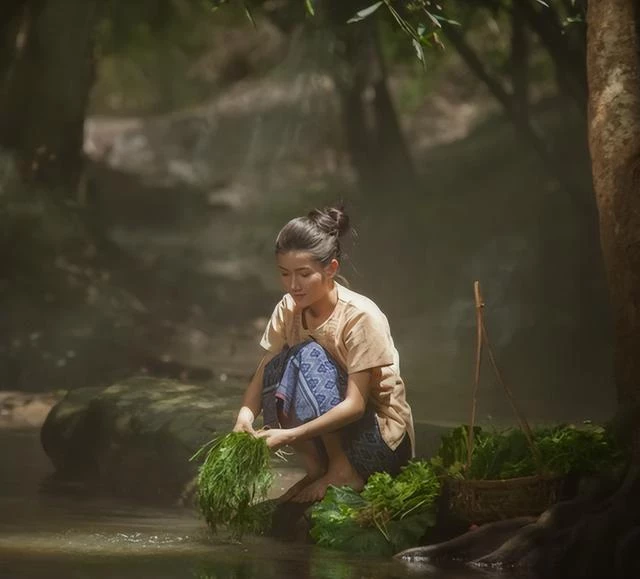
column 504, row 454
column 234, row 475
column 391, row 513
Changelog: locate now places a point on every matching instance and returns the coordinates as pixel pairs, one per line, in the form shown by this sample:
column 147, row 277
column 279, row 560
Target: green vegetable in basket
column 586, row 449
column 500, row 455
column 506, row 454
column 391, row 513
column 234, row 476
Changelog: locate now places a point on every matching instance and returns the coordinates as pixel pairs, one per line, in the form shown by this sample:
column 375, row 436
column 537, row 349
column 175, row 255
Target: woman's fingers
column 244, row 427
column 275, row 437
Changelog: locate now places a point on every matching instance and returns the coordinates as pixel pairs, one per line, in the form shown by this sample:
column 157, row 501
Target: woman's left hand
column 276, row 437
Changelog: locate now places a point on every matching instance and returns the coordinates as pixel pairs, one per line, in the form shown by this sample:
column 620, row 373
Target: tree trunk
column 11, row 13
column 351, row 79
column 519, row 62
column 522, row 123
column 614, row 141
column 569, row 63
column 393, row 150
column 377, row 147
column 597, row 536
column 48, row 92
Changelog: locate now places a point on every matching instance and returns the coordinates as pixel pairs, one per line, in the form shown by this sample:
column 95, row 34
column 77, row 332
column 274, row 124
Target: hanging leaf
column 247, row 11
column 310, row 8
column 437, row 41
column 446, row 20
column 419, row 52
column 365, row 12
column 433, row 19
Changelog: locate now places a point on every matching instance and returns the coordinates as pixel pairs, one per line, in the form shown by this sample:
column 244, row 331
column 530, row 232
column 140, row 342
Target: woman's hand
column 277, row 437
column 244, row 422
column 244, row 426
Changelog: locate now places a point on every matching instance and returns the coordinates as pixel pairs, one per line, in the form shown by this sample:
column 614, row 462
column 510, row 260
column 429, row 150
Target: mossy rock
column 134, row 438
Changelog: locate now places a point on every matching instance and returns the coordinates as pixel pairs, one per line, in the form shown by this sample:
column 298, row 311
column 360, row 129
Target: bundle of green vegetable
column 504, row 454
column 389, row 515
column 235, row 475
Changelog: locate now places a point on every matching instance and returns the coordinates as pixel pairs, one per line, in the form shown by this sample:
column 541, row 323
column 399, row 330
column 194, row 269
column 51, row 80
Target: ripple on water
column 54, row 537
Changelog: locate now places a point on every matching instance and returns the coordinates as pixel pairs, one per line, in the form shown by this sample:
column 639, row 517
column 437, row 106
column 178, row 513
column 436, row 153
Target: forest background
column 152, row 150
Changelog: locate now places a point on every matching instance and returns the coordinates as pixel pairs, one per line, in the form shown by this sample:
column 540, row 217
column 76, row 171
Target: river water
column 44, row 535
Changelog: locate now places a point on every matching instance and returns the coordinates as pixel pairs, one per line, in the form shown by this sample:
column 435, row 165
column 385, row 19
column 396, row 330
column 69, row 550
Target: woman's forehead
column 296, row 260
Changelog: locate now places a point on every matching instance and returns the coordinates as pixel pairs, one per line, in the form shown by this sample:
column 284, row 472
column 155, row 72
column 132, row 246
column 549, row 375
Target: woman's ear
column 332, row 268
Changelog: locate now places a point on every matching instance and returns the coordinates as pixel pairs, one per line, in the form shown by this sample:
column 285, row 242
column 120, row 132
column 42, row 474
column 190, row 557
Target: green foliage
column 586, row 450
column 234, row 476
column 420, row 20
column 389, row 515
column 503, row 454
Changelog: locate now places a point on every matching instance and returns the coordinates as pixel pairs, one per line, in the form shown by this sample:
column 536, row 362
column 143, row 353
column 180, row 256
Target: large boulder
column 134, row 438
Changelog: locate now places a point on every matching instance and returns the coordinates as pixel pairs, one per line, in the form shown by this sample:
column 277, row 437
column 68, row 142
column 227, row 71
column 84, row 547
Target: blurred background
column 152, row 150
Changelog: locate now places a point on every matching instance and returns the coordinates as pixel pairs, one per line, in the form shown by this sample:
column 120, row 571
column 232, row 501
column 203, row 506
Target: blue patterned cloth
column 304, row 382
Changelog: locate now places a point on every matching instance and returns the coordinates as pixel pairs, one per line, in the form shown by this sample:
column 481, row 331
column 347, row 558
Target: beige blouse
column 358, row 337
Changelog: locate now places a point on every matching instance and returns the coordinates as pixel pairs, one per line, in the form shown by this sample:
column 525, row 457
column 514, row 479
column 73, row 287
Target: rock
column 134, row 438
column 291, row 522
column 25, row 410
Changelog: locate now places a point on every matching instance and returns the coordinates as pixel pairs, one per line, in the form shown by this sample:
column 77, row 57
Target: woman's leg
column 315, row 465
column 303, row 384
column 340, row 472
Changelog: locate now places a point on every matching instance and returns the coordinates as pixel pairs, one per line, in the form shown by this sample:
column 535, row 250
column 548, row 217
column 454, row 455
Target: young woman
column 329, row 384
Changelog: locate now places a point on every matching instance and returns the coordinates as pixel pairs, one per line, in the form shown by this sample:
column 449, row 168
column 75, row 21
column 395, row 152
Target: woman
column 330, row 383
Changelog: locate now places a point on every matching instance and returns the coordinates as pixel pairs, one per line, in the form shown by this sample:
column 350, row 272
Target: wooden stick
column 522, row 421
column 476, row 379
column 482, row 338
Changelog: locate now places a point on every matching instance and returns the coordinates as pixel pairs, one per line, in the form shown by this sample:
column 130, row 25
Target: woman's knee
column 311, row 350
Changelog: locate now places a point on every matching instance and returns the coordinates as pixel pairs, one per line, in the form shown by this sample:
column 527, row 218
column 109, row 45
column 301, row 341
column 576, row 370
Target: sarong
column 304, row 382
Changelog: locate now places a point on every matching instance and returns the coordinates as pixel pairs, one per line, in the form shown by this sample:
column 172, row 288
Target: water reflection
column 276, row 565
column 80, row 537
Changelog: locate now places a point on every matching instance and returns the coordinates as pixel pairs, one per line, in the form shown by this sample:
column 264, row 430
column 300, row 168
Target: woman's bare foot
column 297, row 487
column 314, row 466
column 316, row 490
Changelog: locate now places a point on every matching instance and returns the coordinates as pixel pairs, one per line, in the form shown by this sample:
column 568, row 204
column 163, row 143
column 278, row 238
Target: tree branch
column 522, row 124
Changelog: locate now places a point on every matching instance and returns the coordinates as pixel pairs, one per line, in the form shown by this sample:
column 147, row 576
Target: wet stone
column 134, row 439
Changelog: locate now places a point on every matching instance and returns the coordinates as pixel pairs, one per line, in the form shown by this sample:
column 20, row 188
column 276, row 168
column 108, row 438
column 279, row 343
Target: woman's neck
column 324, row 307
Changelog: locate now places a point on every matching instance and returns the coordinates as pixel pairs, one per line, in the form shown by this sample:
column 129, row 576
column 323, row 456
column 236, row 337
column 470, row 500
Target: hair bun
column 332, row 220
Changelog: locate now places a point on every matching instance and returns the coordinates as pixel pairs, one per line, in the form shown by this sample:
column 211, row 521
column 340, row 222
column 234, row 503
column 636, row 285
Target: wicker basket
column 484, row 501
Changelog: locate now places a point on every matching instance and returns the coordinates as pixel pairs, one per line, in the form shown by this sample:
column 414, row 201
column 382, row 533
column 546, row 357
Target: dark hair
column 318, row 232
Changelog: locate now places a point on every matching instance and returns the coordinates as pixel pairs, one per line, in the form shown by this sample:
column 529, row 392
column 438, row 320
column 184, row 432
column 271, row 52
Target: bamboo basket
column 486, row 501
column 483, row 501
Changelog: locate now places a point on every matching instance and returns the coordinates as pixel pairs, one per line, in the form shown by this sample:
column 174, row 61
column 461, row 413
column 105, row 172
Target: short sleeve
column 368, row 342
column 274, row 337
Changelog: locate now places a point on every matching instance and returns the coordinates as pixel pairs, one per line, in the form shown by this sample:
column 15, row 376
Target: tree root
column 469, row 546
column 587, row 538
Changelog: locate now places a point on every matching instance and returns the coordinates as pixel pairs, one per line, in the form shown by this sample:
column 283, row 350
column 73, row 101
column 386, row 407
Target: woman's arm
column 349, row 410
column 252, row 399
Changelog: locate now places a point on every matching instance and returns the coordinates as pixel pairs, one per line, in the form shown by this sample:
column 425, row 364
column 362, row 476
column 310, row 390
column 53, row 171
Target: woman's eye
column 305, row 274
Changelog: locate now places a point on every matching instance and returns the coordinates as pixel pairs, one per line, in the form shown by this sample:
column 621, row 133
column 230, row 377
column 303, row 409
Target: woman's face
column 304, row 278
